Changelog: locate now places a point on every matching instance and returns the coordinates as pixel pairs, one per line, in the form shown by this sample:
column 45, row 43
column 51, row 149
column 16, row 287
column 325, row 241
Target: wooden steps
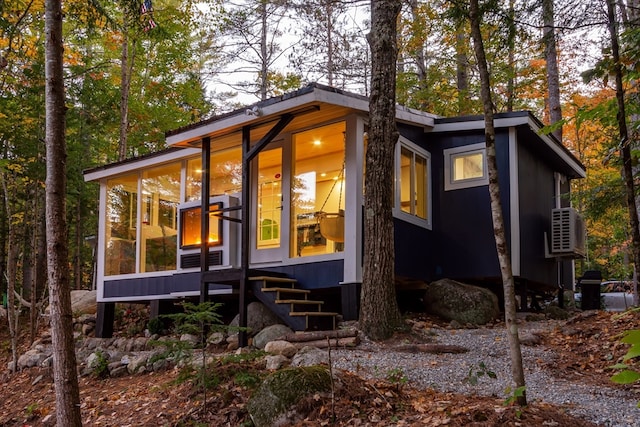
column 292, row 304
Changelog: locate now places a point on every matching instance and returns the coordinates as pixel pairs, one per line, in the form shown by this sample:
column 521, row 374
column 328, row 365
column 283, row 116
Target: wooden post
column 204, row 218
column 245, row 239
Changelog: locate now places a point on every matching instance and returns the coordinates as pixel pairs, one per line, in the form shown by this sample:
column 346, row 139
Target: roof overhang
column 311, row 98
column 517, row 119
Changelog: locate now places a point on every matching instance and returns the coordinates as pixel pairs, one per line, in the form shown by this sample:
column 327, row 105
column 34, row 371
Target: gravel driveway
column 603, row 405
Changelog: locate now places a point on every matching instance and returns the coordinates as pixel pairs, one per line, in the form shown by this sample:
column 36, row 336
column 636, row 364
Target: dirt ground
column 588, row 344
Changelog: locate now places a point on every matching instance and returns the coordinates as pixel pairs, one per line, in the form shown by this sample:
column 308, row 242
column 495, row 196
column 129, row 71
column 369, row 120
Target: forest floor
column 173, row 397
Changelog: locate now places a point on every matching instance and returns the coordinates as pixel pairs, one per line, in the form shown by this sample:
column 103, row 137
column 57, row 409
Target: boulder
column 310, row 356
column 273, row 402
column 32, row 358
column 463, row 303
column 284, row 348
column 83, row 302
column 138, row 361
column 258, row 318
column 276, row 362
column 270, row 333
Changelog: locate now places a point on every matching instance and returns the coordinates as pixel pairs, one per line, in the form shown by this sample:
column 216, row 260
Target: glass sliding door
column 269, row 199
column 318, row 191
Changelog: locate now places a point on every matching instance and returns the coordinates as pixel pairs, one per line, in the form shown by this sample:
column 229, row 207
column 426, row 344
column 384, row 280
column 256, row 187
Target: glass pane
column 405, row 180
column 269, row 198
column 225, row 174
column 468, row 166
column 191, row 227
column 318, row 191
column 121, row 218
column 160, row 198
column 421, row 186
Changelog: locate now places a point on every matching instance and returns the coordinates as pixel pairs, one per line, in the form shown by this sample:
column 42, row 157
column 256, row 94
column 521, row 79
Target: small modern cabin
column 275, row 191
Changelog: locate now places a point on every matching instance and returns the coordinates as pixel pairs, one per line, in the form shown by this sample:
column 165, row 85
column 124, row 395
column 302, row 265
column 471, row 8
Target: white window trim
column 450, row 153
column 397, row 212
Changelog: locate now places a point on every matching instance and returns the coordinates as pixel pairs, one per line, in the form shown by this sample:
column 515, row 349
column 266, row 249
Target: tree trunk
column 462, row 71
column 12, row 263
column 264, row 54
column 379, row 314
column 551, row 59
column 125, row 88
column 64, row 358
column 504, row 259
column 511, row 46
column 625, row 143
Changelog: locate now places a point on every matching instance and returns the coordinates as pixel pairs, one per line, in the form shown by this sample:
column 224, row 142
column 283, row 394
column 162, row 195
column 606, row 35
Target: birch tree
column 504, row 259
column 379, row 313
column 64, row 358
column 551, row 63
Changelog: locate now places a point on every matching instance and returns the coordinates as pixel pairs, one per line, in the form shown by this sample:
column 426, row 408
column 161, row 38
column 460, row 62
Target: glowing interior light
column 316, row 142
column 323, row 174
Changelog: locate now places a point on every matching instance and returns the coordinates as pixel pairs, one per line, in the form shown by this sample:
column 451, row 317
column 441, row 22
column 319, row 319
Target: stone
column 273, row 403
column 191, row 339
column 452, row 300
column 31, row 358
column 284, row 348
column 138, row 361
column 216, row 338
column 83, row 302
column 310, row 356
column 275, row 362
column 88, row 328
column 258, row 318
column 139, row 344
column 86, row 318
column 270, row 333
column 119, row 371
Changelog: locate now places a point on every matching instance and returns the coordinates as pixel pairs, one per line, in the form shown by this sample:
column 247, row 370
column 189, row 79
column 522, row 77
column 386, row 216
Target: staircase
column 291, row 304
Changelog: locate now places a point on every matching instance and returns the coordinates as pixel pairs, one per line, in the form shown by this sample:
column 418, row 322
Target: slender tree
column 551, row 62
column 504, row 259
column 623, row 134
column 64, row 357
column 379, row 314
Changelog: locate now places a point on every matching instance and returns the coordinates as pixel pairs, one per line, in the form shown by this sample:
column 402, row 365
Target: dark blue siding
column 315, row 275
column 154, row 286
column 537, row 190
column 462, row 218
column 413, row 251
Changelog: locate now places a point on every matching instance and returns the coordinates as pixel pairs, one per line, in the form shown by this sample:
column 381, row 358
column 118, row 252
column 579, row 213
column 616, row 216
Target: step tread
column 290, row 290
column 272, row 279
column 298, row 301
column 312, row 313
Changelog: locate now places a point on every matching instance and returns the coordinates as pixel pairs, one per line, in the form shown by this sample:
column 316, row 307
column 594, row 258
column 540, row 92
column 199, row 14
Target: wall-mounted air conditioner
column 568, row 233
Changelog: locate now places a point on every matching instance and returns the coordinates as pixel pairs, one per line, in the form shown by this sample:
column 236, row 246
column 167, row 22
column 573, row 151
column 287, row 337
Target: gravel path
column 603, row 405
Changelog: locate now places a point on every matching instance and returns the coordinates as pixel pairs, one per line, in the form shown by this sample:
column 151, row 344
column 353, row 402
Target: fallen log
column 319, row 335
column 333, row 342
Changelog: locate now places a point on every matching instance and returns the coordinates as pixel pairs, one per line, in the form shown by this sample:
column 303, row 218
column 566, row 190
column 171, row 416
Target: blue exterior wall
column 462, row 218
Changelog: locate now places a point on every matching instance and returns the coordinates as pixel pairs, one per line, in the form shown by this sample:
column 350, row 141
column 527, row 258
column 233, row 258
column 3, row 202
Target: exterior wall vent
column 568, row 232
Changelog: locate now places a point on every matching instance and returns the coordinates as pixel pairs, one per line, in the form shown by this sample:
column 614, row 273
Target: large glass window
column 269, row 198
column 465, row 167
column 225, row 174
column 120, row 225
column 318, row 191
column 158, row 234
column 412, row 181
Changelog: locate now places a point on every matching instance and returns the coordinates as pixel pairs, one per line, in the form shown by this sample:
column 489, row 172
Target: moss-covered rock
column 463, row 303
column 281, row 390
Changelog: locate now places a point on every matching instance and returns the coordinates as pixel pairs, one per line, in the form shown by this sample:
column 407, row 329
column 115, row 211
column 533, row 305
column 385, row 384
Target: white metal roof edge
column 504, row 122
column 318, row 94
column 136, row 164
column 559, row 150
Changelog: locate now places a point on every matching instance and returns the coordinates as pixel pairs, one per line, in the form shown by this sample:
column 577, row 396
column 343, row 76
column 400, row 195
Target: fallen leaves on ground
column 586, row 345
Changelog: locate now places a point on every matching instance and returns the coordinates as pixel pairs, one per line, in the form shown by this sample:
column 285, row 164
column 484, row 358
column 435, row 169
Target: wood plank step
column 287, row 290
column 298, row 301
column 272, row 279
column 313, row 313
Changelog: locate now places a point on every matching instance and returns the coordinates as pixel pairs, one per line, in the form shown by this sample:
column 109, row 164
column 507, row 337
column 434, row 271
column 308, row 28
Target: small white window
column 412, row 195
column 465, row 167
